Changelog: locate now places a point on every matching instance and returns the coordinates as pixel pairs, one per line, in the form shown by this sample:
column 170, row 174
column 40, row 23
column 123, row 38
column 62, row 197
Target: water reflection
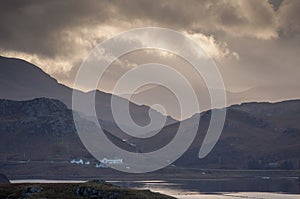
column 228, row 185
column 225, row 188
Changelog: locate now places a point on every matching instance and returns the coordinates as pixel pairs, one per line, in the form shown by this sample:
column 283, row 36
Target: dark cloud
column 43, row 27
column 39, row 26
column 275, row 3
column 289, row 23
column 57, row 35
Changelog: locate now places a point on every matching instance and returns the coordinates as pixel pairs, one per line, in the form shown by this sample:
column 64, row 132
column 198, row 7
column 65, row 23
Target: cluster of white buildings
column 102, row 164
column 112, row 161
column 80, row 161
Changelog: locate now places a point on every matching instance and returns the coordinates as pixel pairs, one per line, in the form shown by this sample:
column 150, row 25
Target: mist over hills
column 255, row 136
column 159, row 94
column 269, row 137
column 35, row 114
column 21, row 80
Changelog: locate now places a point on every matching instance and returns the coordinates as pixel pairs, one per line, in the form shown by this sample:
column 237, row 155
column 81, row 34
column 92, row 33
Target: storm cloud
column 255, row 43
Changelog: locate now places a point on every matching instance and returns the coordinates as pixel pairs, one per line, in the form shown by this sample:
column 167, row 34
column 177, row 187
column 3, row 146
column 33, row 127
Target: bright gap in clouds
column 83, row 40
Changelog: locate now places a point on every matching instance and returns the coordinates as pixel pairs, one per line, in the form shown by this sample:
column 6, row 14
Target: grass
column 68, row 190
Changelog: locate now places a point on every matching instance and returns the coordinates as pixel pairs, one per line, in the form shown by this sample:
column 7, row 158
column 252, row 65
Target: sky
column 255, row 43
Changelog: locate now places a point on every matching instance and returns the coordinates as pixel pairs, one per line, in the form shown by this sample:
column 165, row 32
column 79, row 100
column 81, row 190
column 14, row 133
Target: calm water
column 258, row 188
column 262, row 184
column 261, row 187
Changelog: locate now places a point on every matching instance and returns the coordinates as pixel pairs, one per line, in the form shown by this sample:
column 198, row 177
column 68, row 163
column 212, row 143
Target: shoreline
column 191, row 183
column 180, row 194
column 97, row 189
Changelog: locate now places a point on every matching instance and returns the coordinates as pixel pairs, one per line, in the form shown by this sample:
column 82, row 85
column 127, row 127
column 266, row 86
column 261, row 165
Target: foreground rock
column 93, row 189
column 29, row 191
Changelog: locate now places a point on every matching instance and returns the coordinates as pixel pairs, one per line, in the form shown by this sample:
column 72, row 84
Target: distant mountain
column 35, row 114
column 255, row 135
column 265, row 93
column 160, row 95
column 41, row 129
column 21, row 80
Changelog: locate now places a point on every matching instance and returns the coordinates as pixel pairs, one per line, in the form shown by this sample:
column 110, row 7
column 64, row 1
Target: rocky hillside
column 93, row 189
column 41, row 129
column 255, row 136
column 21, row 80
column 37, row 116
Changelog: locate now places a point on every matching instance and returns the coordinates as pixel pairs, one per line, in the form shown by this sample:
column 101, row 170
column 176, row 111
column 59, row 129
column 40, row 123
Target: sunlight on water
column 172, row 190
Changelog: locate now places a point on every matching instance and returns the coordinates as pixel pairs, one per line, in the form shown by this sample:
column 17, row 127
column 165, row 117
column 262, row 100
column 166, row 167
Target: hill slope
column 255, row 135
column 41, row 129
column 21, row 80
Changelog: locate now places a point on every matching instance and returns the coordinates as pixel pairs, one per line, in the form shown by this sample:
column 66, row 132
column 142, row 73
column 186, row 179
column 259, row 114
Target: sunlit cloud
column 249, row 40
column 212, row 47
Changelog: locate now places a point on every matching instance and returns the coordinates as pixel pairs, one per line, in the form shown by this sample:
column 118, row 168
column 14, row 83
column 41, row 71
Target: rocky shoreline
column 96, row 189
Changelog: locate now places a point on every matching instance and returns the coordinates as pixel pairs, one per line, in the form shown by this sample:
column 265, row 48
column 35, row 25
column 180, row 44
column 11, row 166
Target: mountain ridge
column 21, row 80
column 247, row 139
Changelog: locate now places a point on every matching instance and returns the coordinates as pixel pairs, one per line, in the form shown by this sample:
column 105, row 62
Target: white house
column 74, row 161
column 111, row 161
column 101, row 165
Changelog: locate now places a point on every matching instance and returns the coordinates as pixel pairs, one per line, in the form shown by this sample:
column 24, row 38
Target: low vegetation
column 92, row 189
